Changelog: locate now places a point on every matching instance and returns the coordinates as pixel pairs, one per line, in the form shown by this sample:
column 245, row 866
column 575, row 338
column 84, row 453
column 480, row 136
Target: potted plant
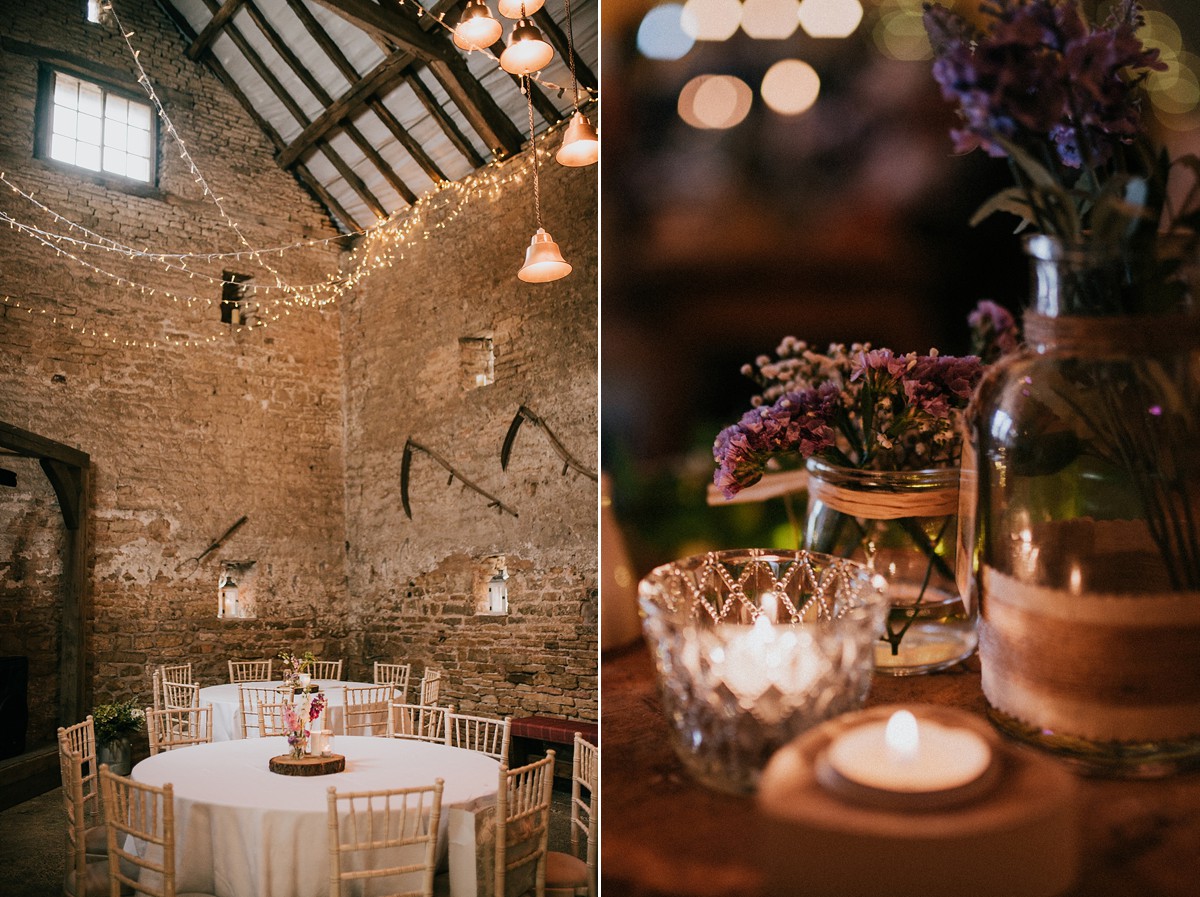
column 115, row 724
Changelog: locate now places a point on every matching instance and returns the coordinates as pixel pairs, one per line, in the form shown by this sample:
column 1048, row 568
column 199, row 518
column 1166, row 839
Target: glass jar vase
column 1086, row 539
column 902, row 524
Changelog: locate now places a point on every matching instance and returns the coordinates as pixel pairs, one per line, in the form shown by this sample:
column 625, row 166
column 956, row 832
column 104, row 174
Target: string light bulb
column 477, row 28
column 580, row 144
column 516, row 9
column 527, row 51
column 543, row 260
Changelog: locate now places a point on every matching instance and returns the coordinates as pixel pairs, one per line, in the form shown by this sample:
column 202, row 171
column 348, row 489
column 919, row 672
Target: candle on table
column 766, row 656
column 909, row 756
column 305, row 680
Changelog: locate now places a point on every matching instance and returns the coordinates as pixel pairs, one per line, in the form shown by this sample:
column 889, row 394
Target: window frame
column 44, row 126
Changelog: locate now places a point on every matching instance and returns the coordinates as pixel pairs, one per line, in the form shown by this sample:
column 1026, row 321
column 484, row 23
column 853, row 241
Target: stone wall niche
column 237, row 591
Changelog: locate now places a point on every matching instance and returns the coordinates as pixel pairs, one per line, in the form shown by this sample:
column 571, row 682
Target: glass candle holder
column 754, row 647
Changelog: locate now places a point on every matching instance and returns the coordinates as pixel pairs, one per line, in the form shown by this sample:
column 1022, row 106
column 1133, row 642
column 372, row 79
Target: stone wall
column 184, row 439
column 417, row 585
column 300, row 425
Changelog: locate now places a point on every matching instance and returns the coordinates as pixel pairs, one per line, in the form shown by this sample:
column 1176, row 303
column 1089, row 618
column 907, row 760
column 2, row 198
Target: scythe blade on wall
column 411, row 446
column 525, row 414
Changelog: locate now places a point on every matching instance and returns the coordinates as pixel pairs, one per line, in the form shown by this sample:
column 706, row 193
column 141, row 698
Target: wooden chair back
column 395, row 674
column 325, row 669
column 70, row 763
column 249, row 699
column 179, row 695
column 523, row 827
column 366, row 709
column 271, row 719
column 365, row 822
column 147, row 814
column 418, row 722
column 81, row 739
column 480, row 733
column 250, row 671
column 431, row 686
column 175, row 728
column 585, row 809
column 179, row 673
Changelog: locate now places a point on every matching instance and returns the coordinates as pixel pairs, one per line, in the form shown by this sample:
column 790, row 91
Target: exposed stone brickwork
column 184, row 440
column 412, row 581
column 299, row 425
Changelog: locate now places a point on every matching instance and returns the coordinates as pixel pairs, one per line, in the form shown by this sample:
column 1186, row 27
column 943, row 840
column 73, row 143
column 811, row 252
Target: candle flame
column 769, row 604
column 901, row 735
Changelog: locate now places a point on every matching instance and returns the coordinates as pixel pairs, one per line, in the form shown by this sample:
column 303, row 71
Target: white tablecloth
column 244, row 831
column 227, row 709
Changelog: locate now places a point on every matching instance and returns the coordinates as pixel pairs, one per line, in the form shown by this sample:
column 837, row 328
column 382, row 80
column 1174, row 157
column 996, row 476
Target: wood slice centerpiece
column 287, row 765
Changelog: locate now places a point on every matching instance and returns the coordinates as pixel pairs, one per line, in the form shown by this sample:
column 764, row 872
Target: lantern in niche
column 498, row 592
column 227, row 597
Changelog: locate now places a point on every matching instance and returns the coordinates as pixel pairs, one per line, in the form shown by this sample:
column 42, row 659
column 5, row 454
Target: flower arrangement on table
column 866, row 409
column 857, row 407
column 295, row 671
column 297, row 721
column 1061, row 98
column 117, row 721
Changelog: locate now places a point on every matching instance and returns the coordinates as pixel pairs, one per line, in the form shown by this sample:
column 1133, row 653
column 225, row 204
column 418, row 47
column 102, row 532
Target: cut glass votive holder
column 753, row 647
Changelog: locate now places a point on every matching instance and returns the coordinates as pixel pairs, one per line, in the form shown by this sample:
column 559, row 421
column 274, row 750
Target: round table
column 227, row 709
column 243, row 831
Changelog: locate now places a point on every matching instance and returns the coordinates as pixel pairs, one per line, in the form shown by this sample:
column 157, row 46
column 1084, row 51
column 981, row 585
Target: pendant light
column 543, row 261
column 580, row 145
column 527, row 51
column 477, row 29
column 515, row 9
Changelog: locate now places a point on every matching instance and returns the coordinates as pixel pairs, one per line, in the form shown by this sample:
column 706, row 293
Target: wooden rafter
column 289, row 102
column 318, row 90
column 324, row 41
column 406, row 140
column 558, row 40
column 306, row 177
column 452, row 131
column 447, row 65
column 381, row 79
column 216, row 24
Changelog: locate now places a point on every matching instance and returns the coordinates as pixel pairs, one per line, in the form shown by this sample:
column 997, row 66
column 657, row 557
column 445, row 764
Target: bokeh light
column 770, row 19
column 714, row 102
column 661, row 34
column 714, row 20
column 1180, row 93
column 899, row 31
column 790, row 87
column 830, row 18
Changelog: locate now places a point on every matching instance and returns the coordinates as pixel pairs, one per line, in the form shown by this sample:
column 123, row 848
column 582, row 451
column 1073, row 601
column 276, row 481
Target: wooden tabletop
column 666, row 836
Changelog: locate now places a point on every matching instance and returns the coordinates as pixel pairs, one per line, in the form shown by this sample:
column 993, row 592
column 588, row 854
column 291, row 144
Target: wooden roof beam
column 561, row 46
column 406, row 140
column 392, row 22
column 357, row 184
column 380, row 163
column 220, row 19
column 451, row 129
column 324, row 41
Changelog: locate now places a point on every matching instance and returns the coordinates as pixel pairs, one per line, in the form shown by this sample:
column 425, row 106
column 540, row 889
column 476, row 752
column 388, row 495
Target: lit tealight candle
column 909, row 756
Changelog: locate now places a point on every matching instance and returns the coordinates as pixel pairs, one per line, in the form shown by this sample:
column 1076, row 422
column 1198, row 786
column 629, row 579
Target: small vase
column 117, row 754
column 1087, row 538
column 903, row 525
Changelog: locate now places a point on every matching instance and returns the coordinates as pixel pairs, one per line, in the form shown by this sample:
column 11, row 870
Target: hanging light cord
column 571, row 52
column 537, row 194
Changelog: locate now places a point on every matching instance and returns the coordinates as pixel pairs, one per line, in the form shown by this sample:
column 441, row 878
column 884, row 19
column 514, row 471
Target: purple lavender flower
column 936, row 383
column 993, row 331
column 799, row 422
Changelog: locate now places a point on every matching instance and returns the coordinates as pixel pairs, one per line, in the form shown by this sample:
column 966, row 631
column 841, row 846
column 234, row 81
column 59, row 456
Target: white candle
column 766, row 656
column 305, row 680
column 910, row 756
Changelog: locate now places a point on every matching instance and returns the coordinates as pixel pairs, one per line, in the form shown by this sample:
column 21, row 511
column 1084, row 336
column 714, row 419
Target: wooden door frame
column 69, row 472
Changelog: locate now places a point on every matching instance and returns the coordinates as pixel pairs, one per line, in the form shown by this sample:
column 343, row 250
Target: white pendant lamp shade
column 580, row 145
column 527, row 50
column 512, row 9
column 477, row 28
column 543, row 261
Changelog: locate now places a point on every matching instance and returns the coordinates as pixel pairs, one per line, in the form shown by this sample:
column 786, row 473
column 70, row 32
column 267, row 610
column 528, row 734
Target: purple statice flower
column 881, row 366
column 798, row 422
column 994, row 331
column 936, row 383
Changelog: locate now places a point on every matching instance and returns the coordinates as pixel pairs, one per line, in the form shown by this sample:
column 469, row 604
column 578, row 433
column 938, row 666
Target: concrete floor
column 33, row 848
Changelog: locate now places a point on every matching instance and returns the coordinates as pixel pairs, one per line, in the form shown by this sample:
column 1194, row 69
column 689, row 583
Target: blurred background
column 775, row 168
